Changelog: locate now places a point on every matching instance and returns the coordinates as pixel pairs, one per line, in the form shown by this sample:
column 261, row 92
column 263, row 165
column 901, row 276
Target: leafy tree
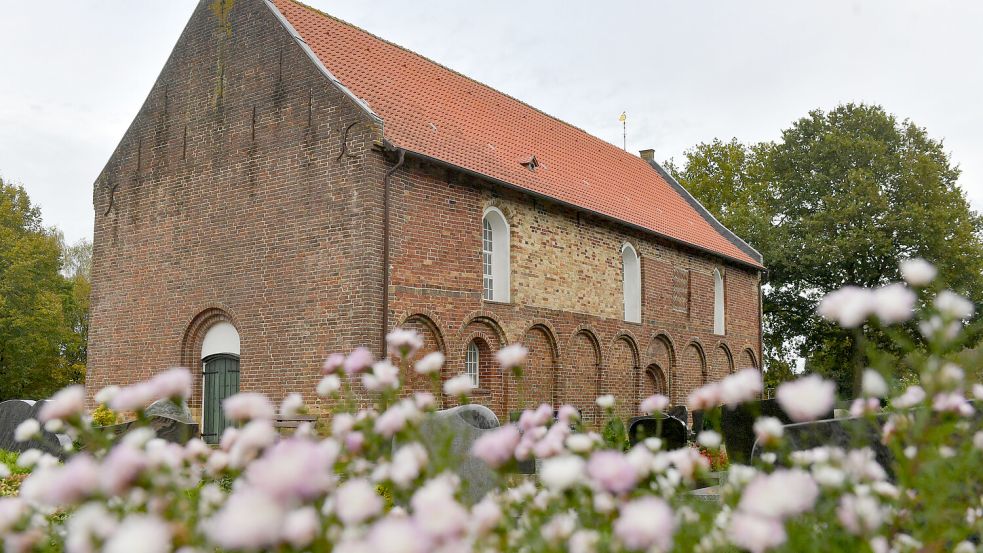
column 841, row 199
column 40, row 351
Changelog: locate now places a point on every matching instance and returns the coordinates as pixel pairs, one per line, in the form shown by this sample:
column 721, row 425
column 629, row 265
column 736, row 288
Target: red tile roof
column 429, row 109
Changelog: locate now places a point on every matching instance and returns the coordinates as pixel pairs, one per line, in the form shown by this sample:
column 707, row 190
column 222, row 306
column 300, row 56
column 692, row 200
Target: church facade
column 295, row 186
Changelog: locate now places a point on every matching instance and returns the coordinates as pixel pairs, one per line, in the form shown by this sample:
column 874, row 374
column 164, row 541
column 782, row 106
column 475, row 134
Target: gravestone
column 679, row 412
column 450, row 434
column 15, row 411
column 845, row 433
column 169, row 409
column 737, row 426
column 670, row 430
column 165, row 428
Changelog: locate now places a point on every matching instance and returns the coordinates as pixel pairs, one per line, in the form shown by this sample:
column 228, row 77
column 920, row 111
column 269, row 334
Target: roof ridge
column 456, row 72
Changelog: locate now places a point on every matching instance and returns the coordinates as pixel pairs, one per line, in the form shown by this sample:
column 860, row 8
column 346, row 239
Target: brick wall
column 229, row 198
column 566, row 289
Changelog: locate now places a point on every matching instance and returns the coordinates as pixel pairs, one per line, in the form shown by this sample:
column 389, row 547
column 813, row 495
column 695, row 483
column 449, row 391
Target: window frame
column 496, row 262
column 719, row 303
column 631, row 285
column 472, row 363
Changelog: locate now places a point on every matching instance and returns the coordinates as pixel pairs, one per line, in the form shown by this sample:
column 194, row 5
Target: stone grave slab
column 452, row 432
column 671, row 430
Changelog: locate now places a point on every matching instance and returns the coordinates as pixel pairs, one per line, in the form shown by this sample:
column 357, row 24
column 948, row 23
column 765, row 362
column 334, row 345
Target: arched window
column 632, row 284
column 495, row 256
column 472, row 363
column 220, row 360
column 718, row 303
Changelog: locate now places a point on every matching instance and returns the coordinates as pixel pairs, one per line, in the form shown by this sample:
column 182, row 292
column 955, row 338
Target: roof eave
column 505, row 184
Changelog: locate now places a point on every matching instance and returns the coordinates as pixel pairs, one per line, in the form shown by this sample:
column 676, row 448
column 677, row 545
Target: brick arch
column 654, row 381
column 482, row 318
column 620, row 374
column 723, row 362
column 191, row 342
column 493, row 389
column 692, row 370
column 540, row 372
column 580, row 381
column 748, row 359
column 433, row 340
column 662, row 352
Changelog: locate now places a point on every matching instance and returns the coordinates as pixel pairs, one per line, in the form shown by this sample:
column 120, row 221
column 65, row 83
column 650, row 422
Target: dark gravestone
column 679, row 412
column 15, row 411
column 670, row 430
column 845, row 433
column 737, row 426
column 165, row 428
column 450, row 434
column 529, row 465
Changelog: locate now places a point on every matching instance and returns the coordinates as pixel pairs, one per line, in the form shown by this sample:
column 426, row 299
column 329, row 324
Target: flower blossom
column 358, row 360
column 356, row 501
column 291, row 405
column 744, row 385
column 768, row 430
column 755, row 533
column 26, row 430
column 435, row 510
column 912, row 396
column 654, row 404
column 397, row 535
column 139, row 532
column 408, row 464
column 873, row 384
column 459, row 386
column 403, row 342
column 250, row 519
column 859, row 514
column 807, row 398
column 246, row 406
column 605, row 402
column 953, row 305
column 645, row 524
column 512, row 356
column 561, row 473
column 705, row 397
column 612, row 472
column 294, row 469
column 918, row 272
column 430, row 363
column 384, row 376
column 300, row 527
column 329, row 385
column 497, row 447
column 780, row 494
column 68, row 402
column 894, row 303
column 332, row 364
column 849, row 306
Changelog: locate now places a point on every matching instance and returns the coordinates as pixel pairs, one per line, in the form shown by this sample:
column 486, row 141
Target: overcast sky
column 73, row 73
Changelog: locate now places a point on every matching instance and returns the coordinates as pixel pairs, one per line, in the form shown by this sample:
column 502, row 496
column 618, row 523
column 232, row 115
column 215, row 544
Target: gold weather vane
column 624, row 130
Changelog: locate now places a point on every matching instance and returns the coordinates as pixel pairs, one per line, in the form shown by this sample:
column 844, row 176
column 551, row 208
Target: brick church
column 295, row 186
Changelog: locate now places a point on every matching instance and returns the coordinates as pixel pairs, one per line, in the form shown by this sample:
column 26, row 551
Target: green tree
column 37, row 304
column 841, row 199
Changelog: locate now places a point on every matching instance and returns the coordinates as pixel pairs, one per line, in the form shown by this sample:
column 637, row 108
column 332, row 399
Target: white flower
column 431, row 363
column 654, row 404
column 250, row 519
column 105, row 395
column 403, row 342
column 849, row 306
column 918, row 272
column 485, row 515
column 583, row 541
column 356, row 501
column 874, row 384
column 606, row 401
column 247, row 406
column 561, row 473
column 579, row 443
column 755, row 533
column 894, row 303
column 827, row 476
column 953, row 305
column 744, row 385
column 859, row 514
column 912, row 396
column 291, row 405
column 68, row 402
column 780, row 494
column 807, row 399
column 435, row 510
column 704, row 397
column 143, row 533
column 512, row 356
column 645, row 524
column 408, row 462
column 709, row 439
column 26, row 430
column 768, row 430
column 459, row 386
column 300, row 527
column 29, row 458
column 329, row 385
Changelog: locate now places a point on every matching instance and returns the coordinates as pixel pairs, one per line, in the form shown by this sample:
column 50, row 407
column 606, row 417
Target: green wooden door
column 221, row 381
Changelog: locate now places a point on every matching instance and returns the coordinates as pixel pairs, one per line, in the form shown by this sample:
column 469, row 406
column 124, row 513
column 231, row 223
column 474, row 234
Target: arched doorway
column 220, row 363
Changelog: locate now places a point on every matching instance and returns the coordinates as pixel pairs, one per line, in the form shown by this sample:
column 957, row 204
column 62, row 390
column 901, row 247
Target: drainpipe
column 385, row 247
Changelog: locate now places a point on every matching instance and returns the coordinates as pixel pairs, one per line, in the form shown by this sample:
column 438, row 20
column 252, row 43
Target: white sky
column 73, row 73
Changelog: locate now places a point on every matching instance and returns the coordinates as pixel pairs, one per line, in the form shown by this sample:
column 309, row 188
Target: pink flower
column 654, row 404
column 894, row 303
column 612, row 471
column 459, row 386
column 134, row 398
column 859, row 514
column 11, row 511
column 567, row 415
column 68, row 402
column 300, row 527
column 408, row 462
column 354, row 441
column 248, row 406
column 357, row 501
column 561, row 473
column 645, row 524
column 912, row 396
column 512, row 356
column 744, row 385
column 139, row 532
column 485, row 516
column 431, row 363
column 65, row 485
column 392, row 421
column 953, row 305
column 291, row 405
column 497, row 447
column 172, row 384
column 768, row 430
column 807, row 398
column 398, row 535
column 121, row 468
column 332, row 364
column 293, row 470
column 849, row 306
column 952, row 402
column 779, row 494
column 705, row 397
column 358, row 360
column 249, row 441
column 436, row 512
column 250, row 519
column 754, row 533
column 918, row 272
column 403, row 342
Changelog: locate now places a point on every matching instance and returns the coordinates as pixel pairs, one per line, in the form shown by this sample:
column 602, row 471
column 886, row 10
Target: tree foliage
column 43, row 311
column 840, row 199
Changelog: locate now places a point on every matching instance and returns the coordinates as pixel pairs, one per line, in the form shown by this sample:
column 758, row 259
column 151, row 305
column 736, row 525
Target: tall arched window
column 718, row 303
column 495, row 256
column 632, row 270
column 472, row 363
column 220, row 360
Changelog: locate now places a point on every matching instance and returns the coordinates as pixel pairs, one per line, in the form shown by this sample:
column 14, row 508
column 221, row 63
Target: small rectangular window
column 486, row 260
column 471, row 363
